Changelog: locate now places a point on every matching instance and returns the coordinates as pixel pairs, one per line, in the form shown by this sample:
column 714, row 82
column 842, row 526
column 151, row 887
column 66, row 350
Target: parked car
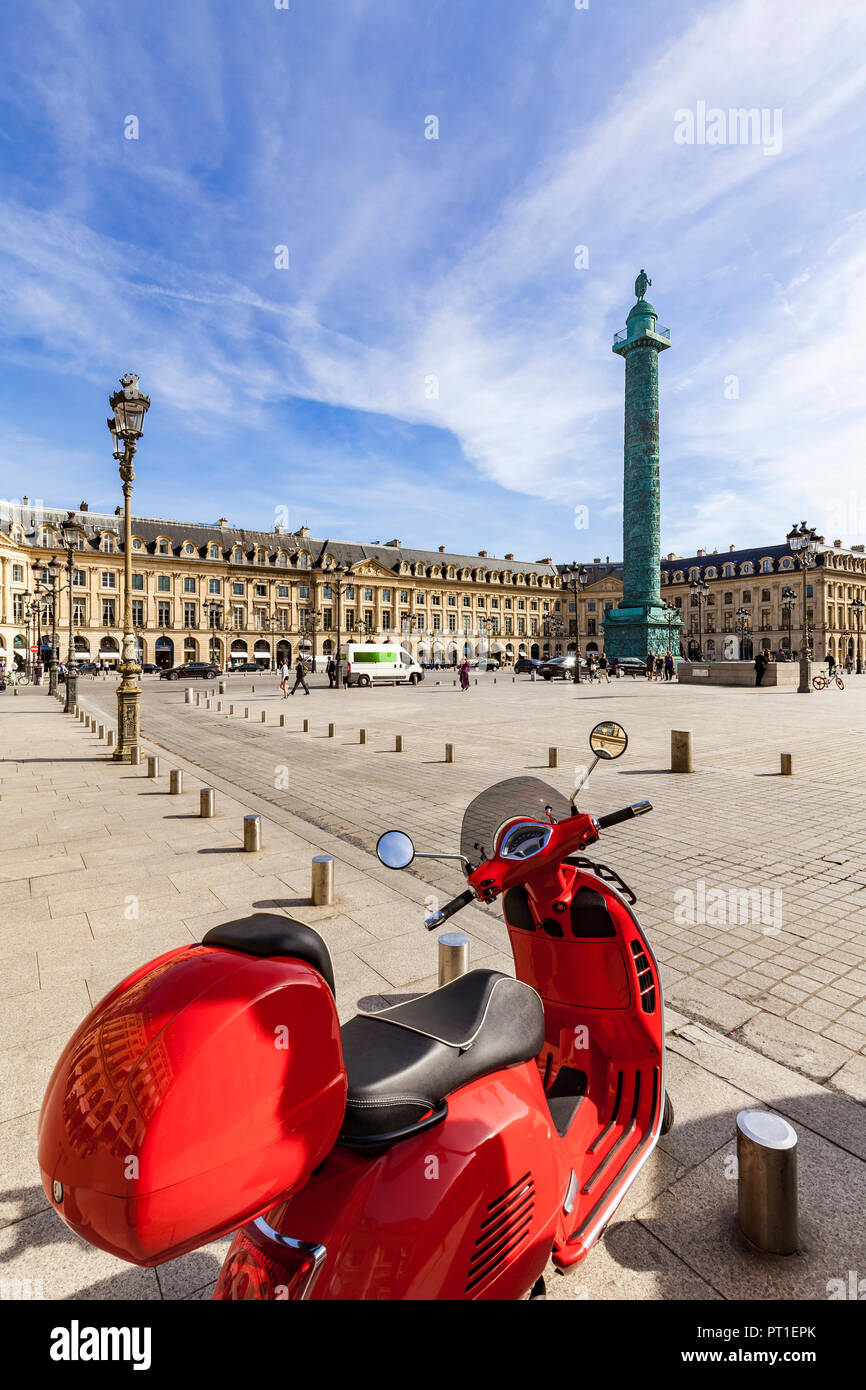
column 526, row 663
column 207, row 670
column 630, row 666
column 486, row 663
column 561, row 668
column 247, row 666
column 149, row 668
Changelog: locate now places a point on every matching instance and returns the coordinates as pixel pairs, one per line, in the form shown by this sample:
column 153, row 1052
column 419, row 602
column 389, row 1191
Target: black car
column 630, row 666
column 561, row 668
column 526, row 663
column 207, row 670
column 149, row 668
column 248, row 666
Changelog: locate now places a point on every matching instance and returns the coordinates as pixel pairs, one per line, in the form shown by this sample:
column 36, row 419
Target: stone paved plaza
column 102, row 869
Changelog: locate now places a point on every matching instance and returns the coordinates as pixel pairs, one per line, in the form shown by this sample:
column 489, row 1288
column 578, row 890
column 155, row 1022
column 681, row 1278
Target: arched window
column 747, row 567
column 283, row 559
column 261, row 557
column 767, row 566
column 678, row 577
column 237, row 555
column 214, row 552
column 729, row 571
column 711, row 572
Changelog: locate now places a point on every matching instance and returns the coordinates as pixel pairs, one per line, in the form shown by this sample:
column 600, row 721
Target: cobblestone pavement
column 783, row 969
column 101, row 869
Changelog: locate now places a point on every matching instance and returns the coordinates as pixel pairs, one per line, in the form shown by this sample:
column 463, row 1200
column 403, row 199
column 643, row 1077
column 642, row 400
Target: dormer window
column 189, row 549
column 162, row 547
column 729, row 571
column 747, row 568
column 214, row 552
column 137, row 543
column 678, row 577
column 786, row 563
column 303, row 559
column 107, row 545
column 711, row 572
column 238, row 555
column 261, row 557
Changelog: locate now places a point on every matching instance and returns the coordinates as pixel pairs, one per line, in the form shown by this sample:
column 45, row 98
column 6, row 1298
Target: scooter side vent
column 645, row 981
column 507, row 1222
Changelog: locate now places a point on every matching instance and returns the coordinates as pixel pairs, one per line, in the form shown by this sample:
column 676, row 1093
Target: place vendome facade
column 215, row 592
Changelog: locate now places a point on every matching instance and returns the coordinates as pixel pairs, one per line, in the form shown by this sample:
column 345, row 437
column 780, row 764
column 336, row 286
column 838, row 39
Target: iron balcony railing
column 659, row 331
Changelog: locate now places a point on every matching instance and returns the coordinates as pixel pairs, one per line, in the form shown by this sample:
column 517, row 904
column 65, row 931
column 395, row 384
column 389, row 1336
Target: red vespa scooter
column 442, row 1149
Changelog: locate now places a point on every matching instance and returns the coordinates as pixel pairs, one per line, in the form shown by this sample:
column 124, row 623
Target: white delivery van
column 378, row 663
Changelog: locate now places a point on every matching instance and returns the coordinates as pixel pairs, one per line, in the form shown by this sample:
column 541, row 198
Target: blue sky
column 309, row 388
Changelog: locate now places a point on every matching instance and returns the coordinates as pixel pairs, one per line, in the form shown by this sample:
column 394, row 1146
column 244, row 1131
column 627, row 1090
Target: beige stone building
column 219, row 593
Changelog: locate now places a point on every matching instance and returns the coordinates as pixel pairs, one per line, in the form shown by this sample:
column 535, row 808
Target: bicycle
column 17, row 678
column 826, row 682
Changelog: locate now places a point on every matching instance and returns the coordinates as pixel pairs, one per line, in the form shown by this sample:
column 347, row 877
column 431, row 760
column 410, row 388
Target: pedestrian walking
column 284, row 679
column 659, row 667
column 300, row 674
column 332, row 673
column 760, row 667
column 649, row 665
column 602, row 668
column 669, row 666
column 831, row 664
column 849, row 663
column 464, row 674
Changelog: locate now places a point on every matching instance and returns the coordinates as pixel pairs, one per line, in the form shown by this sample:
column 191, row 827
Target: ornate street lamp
column 700, row 590
column 48, row 590
column 310, row 623
column 577, row 577
column 71, row 533
column 803, row 542
column 670, row 612
column 858, row 606
column 789, row 598
column 213, row 610
column 126, row 426
column 744, row 627
column 340, row 577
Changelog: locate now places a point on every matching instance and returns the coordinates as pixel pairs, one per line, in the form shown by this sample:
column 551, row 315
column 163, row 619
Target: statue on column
column 642, row 284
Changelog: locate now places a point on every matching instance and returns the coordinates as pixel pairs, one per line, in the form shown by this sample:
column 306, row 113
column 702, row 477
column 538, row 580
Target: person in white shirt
column 284, row 677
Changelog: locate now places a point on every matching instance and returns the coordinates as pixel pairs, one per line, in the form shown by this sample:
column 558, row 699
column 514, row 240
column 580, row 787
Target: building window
column 138, row 612
column 326, row 591
column 386, row 619
column 350, row 618
column 327, row 616
column 109, row 579
column 404, row 595
column 108, row 612
column 163, row 584
column 213, row 586
column 214, row 552
column 239, row 617
column 136, row 543
column 368, row 595
column 162, row 547
column 238, row 588
column 163, row 613
column 452, row 622
column 419, row 598
column 138, row 581
column 261, row 591
column 509, row 626
column 17, row 574
column 437, row 622
column 189, row 615
column 303, row 591
column 78, row 611
column 386, row 595
column 188, row 584
column 108, row 545
column 282, row 591
column 452, row 601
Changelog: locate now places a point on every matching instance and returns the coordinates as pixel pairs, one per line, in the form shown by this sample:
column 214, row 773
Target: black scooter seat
column 402, row 1063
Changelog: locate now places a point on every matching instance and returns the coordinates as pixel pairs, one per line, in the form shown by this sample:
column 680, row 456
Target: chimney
column 702, row 552
column 596, row 559
column 83, row 507
column 511, row 557
column 24, row 501
column 607, row 559
column 732, row 548
column 222, row 523
column 482, row 554
column 548, row 560
column 279, row 529
column 441, row 550
column 671, row 555
column 393, row 545
column 859, row 549
column 304, row 531
column 838, row 545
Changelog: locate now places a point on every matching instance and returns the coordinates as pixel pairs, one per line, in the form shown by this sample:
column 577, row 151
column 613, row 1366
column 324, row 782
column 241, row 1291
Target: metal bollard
column 187, row 695
column 362, row 735
column 175, row 781
column 552, row 757
column 282, row 721
column 306, row 726
column 332, row 730
column 223, row 687
column 533, row 676
column 206, row 802
column 153, row 767
column 264, row 716
column 135, row 757
column 100, row 731
column 110, row 738
column 787, row 764
column 449, row 752
column 767, row 1181
column 681, row 750
column 252, row 834
column 219, row 706
column 246, row 712
column 252, row 690
column 322, row 880
column 453, row 956
column 231, row 709
column 398, row 744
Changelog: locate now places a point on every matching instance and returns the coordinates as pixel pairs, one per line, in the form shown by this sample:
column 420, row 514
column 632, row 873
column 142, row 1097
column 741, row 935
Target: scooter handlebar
column 638, row 808
column 462, row 900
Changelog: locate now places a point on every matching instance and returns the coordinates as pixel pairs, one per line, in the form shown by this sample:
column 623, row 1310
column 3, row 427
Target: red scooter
column 444, row 1148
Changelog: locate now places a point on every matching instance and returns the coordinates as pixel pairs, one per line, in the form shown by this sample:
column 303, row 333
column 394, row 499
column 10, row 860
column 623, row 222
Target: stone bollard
column 552, row 757
column 362, row 735
column 453, row 956
column 246, row 712
column 533, row 676
column 252, row 834
column 787, row 765
column 231, row 709
column 398, row 744
column 223, row 688
column 306, row 726
column 322, row 881
column 332, row 731
column 175, row 781
column 767, row 1181
column 135, row 757
column 153, row 768
column 282, row 721
column 264, row 716
column 206, row 799
column 681, row 750
column 110, row 738
column 219, row 706
column 449, row 752
column 252, row 690
column 187, row 695
column 100, row 731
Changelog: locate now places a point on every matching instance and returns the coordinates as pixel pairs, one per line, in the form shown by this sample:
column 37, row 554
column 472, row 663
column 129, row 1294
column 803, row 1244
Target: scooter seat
column 268, row 934
column 402, row 1063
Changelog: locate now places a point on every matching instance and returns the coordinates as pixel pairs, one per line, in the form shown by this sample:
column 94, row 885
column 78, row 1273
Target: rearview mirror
column 608, row 740
column 395, row 849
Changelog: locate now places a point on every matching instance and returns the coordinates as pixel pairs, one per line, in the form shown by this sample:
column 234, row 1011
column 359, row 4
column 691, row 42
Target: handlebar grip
column 639, row 808
column 462, row 900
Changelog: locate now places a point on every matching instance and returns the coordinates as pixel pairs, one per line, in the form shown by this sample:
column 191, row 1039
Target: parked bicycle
column 826, row 682
column 17, row 678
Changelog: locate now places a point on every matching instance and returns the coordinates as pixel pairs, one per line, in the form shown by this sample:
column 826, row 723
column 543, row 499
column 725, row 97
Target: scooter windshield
column 515, row 799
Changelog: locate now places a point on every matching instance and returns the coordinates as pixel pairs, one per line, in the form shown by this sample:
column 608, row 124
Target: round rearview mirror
column 608, row 740
column 395, row 849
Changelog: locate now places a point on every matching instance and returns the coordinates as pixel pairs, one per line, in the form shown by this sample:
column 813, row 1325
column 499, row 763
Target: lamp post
column 126, row 425
column 744, row 623
column 311, row 619
column 700, row 590
column 803, row 542
column 49, row 591
column 577, row 577
column 553, row 627
column 857, row 607
column 71, row 534
column 213, row 610
column 341, row 574
column 670, row 613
